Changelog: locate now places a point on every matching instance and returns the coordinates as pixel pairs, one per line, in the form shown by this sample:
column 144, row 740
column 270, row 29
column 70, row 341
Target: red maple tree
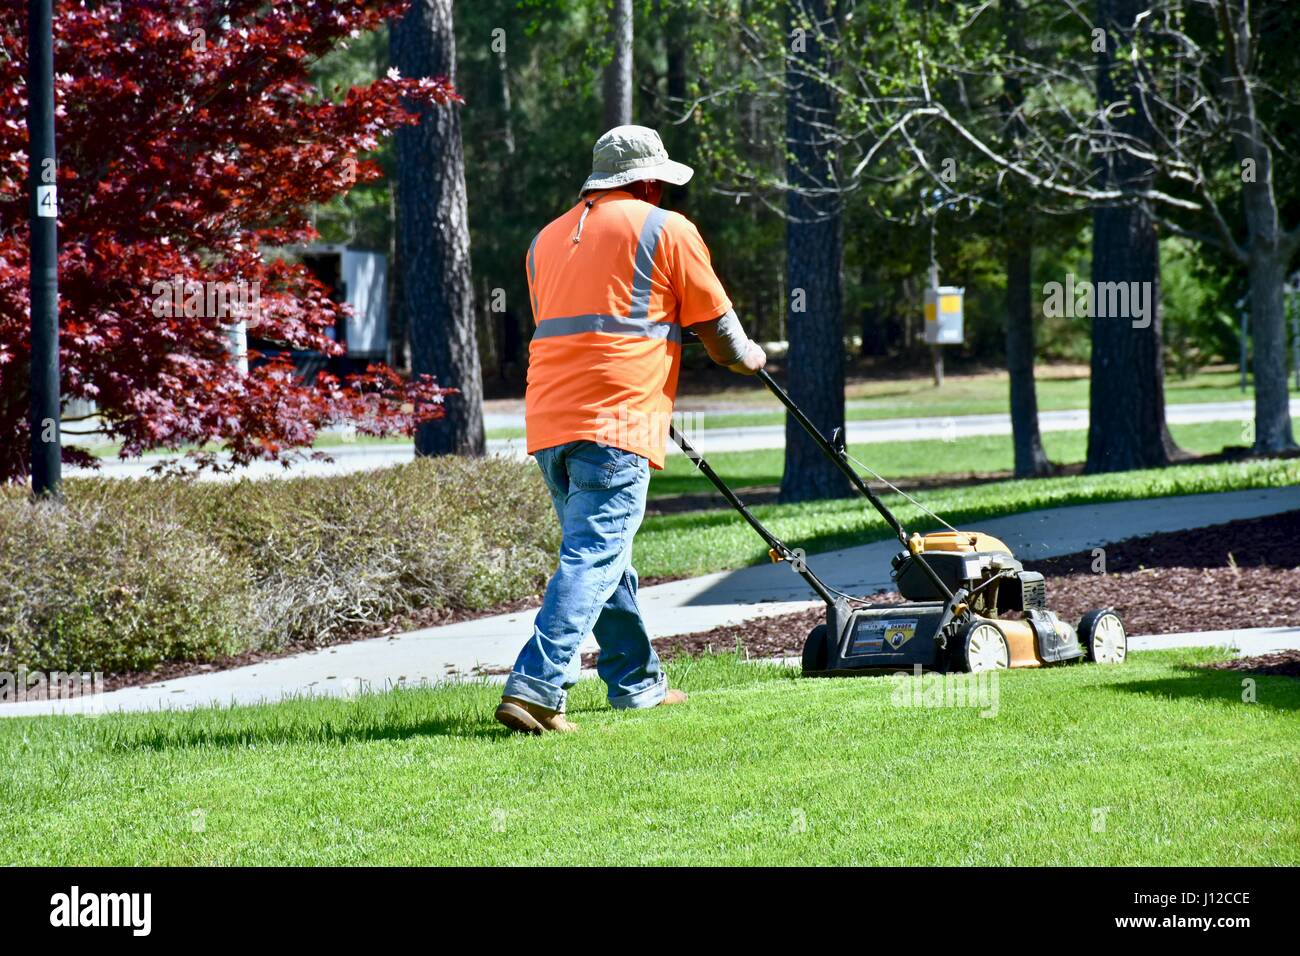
column 190, row 135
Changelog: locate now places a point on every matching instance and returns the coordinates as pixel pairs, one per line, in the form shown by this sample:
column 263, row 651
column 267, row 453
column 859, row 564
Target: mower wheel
column 1102, row 633
column 814, row 650
column 982, row 647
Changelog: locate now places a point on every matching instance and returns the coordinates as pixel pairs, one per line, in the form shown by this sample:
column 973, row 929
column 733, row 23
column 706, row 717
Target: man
column 613, row 283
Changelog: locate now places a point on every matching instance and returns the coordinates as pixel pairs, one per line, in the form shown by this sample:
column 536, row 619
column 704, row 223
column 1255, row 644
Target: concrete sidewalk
column 680, row 607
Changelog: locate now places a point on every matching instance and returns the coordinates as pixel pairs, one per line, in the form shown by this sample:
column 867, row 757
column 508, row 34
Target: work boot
column 674, row 696
column 529, row 718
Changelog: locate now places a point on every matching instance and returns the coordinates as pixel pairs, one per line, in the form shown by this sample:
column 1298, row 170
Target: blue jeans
column 599, row 494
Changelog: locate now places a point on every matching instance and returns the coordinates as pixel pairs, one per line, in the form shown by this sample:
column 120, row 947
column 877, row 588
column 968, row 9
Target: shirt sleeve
column 700, row 296
column 724, row 339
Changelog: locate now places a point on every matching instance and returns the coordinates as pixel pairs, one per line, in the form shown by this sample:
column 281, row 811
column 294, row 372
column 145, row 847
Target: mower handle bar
column 832, row 452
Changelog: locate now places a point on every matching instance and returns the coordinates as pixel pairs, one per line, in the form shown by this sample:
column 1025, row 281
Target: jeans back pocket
column 592, row 467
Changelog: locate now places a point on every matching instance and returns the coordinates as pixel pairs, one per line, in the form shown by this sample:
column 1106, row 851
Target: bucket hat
column 627, row 154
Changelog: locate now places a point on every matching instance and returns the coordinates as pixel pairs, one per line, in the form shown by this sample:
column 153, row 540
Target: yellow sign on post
column 944, row 315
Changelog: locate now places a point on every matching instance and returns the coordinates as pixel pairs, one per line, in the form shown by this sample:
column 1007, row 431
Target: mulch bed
column 1277, row 664
column 1238, row 574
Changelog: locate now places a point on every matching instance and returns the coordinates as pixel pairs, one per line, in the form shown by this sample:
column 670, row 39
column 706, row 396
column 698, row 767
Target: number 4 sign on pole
column 47, row 202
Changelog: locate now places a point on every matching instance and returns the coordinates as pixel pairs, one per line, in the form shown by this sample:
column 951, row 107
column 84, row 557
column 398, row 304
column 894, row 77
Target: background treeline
column 530, row 73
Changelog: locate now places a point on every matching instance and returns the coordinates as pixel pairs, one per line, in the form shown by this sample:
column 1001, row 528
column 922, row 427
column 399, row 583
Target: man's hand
column 755, row 358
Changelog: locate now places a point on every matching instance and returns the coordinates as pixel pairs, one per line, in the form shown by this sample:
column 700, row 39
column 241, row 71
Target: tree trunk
column 399, row 352
column 678, row 137
column 1031, row 459
column 510, row 343
column 1126, row 428
column 507, row 124
column 813, row 251
column 1269, row 251
column 1026, row 441
column 433, row 237
column 675, row 57
column 1126, row 425
column 618, row 74
column 1268, row 327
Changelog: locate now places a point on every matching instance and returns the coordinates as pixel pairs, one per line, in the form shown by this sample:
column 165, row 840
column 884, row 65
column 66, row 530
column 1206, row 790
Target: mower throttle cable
column 881, row 478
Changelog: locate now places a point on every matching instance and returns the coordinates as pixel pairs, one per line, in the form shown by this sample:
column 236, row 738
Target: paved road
column 694, row 604
column 962, row 426
column 350, row 458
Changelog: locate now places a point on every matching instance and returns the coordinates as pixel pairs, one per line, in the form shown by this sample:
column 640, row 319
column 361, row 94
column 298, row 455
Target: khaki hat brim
column 670, row 171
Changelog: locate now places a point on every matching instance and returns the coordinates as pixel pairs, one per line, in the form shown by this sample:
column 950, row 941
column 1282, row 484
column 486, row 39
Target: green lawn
column 1148, row 763
column 974, row 395
column 977, row 453
column 697, row 542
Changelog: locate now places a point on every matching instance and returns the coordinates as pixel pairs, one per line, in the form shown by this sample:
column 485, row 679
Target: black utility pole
column 46, row 444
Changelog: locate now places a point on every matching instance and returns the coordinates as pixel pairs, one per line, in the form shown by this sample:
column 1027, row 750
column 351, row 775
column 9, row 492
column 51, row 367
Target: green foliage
column 1200, row 325
column 710, row 77
column 362, row 217
column 113, row 581
column 128, row 574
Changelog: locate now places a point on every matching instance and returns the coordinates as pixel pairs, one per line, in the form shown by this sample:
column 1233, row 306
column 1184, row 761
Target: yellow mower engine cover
column 960, row 558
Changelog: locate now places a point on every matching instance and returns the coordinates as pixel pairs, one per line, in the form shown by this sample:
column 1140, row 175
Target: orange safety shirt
column 609, row 310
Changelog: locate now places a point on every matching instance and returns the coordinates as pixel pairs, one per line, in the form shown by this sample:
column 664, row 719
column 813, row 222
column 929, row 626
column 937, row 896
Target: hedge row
column 126, row 574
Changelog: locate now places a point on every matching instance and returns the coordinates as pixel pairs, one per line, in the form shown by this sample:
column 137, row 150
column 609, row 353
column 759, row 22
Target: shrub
column 332, row 554
column 111, row 581
column 127, row 574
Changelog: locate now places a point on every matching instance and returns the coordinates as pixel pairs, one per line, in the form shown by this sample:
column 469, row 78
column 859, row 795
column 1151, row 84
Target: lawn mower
column 969, row 604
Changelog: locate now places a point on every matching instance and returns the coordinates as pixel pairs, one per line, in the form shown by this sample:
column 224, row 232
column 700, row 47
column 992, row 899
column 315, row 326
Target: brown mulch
column 1238, row 574
column 1276, row 664
column 1273, row 540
